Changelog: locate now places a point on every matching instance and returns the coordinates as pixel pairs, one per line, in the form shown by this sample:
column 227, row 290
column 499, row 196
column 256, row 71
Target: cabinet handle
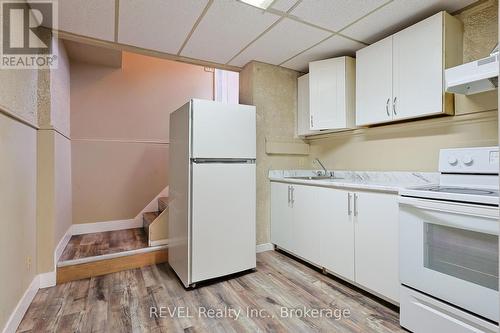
column 312, row 122
column 355, row 204
column 394, row 105
column 387, row 107
column 293, row 195
column 349, row 203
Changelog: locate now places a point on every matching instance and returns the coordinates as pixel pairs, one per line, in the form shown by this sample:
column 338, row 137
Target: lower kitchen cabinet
column 354, row 235
column 376, row 230
column 281, row 216
column 296, row 213
column 337, row 234
column 311, row 209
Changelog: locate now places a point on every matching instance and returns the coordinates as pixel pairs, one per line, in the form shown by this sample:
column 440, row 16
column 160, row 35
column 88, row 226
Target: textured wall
column 415, row 145
column 119, row 131
column 18, row 93
column 60, row 92
column 480, row 29
column 273, row 90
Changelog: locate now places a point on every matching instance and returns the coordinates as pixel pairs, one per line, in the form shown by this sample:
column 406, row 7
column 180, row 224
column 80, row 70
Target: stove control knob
column 467, row 160
column 452, row 160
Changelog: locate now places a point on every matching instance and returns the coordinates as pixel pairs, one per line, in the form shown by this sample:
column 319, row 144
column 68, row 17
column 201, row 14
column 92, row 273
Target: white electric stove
column 467, row 175
column 449, row 246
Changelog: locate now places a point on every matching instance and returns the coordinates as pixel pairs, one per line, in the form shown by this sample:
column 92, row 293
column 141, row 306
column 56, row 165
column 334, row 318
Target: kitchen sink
column 313, row 177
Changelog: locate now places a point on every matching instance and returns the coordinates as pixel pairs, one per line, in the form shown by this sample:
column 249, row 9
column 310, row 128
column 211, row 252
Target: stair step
column 162, row 204
column 147, row 219
column 111, row 264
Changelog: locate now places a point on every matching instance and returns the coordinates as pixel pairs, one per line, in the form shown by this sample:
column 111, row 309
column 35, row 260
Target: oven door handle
column 450, row 207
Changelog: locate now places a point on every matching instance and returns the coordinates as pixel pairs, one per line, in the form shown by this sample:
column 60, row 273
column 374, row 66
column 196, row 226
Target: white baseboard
column 158, row 242
column 264, row 247
column 47, row 279
column 62, row 245
column 22, row 306
column 87, row 228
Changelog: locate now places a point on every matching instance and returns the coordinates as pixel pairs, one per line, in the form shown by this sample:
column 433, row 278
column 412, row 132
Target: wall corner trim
column 264, row 247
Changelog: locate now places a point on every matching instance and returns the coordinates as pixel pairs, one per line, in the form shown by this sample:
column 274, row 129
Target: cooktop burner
column 463, row 190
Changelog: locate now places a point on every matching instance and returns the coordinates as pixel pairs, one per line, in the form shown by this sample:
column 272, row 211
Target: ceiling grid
column 289, row 33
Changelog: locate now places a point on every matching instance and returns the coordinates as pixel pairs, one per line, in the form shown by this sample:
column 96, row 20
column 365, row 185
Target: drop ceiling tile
column 283, row 5
column 334, row 14
column 398, row 15
column 228, row 26
column 283, row 41
column 157, row 24
column 335, row 46
column 92, row 18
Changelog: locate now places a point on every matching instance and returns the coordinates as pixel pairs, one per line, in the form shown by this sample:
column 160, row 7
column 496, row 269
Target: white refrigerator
column 212, row 190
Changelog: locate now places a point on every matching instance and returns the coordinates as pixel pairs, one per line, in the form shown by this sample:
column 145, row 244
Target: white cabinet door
column 418, row 69
column 374, row 83
column 281, row 216
column 303, row 115
column 327, row 87
column 310, row 209
column 337, row 233
column 377, row 243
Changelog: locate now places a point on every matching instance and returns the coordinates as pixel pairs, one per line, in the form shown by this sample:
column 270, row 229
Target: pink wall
column 119, row 131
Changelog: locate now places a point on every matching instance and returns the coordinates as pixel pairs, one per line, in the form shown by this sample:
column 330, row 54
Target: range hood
column 473, row 77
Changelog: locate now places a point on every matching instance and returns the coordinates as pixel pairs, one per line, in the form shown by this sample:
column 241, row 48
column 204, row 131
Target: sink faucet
column 327, row 173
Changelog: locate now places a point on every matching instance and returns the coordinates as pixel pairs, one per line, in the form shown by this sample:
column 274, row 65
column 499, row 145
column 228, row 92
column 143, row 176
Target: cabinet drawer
column 422, row 314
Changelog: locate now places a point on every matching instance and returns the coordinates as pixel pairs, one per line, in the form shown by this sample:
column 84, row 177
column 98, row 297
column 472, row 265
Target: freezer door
column 222, row 130
column 223, row 219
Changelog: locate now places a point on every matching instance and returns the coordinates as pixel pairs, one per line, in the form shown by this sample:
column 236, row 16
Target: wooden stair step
column 148, row 218
column 133, row 260
column 162, row 204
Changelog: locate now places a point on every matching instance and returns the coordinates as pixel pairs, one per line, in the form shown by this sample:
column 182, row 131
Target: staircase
column 156, row 223
column 101, row 253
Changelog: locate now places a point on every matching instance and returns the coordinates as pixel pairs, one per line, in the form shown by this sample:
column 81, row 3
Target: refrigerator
column 212, row 190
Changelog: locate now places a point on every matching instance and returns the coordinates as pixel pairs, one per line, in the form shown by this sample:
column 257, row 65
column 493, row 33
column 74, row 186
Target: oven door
column 450, row 251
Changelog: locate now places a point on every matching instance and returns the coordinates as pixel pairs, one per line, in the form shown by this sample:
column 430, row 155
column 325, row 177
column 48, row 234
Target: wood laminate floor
column 121, row 302
column 95, row 244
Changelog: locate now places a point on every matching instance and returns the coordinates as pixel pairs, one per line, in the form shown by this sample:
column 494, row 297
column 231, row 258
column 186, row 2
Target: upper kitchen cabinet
column 303, row 115
column 374, row 83
column 402, row 76
column 332, row 93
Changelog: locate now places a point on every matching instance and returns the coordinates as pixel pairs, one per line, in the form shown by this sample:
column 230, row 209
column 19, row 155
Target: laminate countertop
column 385, row 181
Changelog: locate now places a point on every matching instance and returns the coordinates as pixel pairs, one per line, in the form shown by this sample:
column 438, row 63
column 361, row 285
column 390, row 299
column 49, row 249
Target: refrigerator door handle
column 224, row 160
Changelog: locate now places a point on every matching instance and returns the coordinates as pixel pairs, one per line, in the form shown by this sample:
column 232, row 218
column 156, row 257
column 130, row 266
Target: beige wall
column 19, row 100
column 273, row 90
column 119, row 131
column 17, row 210
column 415, row 145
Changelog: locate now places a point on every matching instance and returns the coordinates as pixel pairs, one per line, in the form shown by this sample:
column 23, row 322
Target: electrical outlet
column 28, row 263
